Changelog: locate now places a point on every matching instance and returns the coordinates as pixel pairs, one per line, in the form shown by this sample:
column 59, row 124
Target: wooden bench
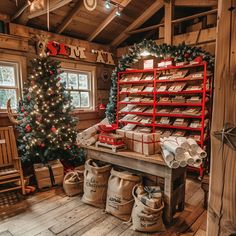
column 174, row 179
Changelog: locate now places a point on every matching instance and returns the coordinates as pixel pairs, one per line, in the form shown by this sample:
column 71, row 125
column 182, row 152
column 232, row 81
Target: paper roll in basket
column 73, row 182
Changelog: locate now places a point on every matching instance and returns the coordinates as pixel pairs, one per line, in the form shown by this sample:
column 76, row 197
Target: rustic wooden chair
column 10, row 164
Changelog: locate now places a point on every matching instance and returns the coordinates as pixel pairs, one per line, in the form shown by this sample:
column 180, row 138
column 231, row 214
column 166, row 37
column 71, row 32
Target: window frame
column 91, row 87
column 18, row 82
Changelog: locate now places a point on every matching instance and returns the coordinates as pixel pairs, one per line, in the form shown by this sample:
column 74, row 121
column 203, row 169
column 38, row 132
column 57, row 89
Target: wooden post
column 168, row 21
column 222, row 199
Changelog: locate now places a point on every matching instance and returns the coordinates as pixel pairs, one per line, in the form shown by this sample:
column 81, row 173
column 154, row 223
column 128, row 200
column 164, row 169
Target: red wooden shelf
column 176, row 104
column 177, row 80
column 135, row 123
column 136, row 113
column 202, row 93
column 138, row 103
column 177, row 127
column 178, row 115
column 160, row 114
column 136, row 82
column 180, row 92
column 138, row 93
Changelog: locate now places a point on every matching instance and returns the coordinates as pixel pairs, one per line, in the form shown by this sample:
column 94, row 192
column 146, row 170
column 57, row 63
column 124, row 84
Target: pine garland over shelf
column 179, row 53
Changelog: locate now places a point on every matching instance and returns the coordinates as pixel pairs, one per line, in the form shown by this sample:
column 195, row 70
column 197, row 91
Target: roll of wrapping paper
column 197, row 160
column 173, row 164
column 183, row 163
column 189, row 159
column 201, row 153
column 88, row 133
column 173, row 147
column 168, row 156
column 180, row 157
column 182, row 141
column 193, row 144
column 91, row 140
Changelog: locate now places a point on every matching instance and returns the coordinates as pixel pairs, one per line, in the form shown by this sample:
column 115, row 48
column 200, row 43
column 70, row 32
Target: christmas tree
column 47, row 131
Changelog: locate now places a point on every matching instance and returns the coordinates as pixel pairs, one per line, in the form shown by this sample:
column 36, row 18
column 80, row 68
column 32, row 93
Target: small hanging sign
column 148, row 64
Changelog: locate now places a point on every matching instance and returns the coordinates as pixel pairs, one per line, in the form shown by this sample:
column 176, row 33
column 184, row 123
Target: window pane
column 83, row 81
column 5, row 94
column 72, row 81
column 75, row 99
column 7, row 76
column 63, row 77
column 84, row 99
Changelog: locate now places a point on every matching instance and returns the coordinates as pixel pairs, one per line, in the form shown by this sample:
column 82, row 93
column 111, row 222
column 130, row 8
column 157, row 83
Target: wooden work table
column 174, row 179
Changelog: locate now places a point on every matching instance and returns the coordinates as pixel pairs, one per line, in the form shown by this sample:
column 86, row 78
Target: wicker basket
column 73, row 182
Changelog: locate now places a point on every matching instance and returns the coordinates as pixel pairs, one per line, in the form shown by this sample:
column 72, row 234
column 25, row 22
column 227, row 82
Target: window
column 79, row 85
column 9, row 84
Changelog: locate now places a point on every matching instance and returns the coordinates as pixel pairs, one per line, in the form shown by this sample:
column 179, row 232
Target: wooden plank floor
column 53, row 213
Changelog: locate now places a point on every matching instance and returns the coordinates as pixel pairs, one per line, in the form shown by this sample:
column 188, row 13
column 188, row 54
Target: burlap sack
column 144, row 218
column 73, row 182
column 119, row 194
column 95, row 183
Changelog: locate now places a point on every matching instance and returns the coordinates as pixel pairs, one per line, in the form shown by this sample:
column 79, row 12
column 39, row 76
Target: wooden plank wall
column 205, row 39
column 19, row 44
column 222, row 199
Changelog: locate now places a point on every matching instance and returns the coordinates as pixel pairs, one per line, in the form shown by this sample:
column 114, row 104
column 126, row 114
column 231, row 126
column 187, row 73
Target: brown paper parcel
column 119, row 194
column 95, row 184
column 147, row 144
column 144, row 218
column 43, row 177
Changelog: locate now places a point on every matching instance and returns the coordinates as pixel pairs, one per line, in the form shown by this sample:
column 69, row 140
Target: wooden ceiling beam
column 108, row 20
column 149, row 28
column 53, row 5
column 66, row 21
column 196, row 3
column 149, row 12
column 194, row 16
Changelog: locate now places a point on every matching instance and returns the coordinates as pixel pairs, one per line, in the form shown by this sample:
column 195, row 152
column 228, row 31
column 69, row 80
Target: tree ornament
column 53, row 129
column 22, row 109
column 27, row 128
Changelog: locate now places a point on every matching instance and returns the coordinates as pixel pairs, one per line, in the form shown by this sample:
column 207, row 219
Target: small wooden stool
column 205, row 187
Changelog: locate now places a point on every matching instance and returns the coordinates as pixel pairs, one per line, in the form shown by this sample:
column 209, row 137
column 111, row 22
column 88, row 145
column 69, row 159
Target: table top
column 155, row 159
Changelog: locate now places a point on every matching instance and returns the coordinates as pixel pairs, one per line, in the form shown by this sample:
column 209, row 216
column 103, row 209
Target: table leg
column 168, row 193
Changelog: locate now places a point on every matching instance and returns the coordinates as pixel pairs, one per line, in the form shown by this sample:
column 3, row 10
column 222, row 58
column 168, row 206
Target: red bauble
column 186, row 55
column 53, row 129
column 51, row 72
column 22, row 109
column 59, row 78
column 28, row 128
column 25, row 113
column 42, row 145
column 28, row 97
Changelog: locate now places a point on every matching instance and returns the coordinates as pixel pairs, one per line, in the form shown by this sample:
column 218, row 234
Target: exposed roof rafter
column 108, row 20
column 196, row 3
column 66, row 21
column 149, row 12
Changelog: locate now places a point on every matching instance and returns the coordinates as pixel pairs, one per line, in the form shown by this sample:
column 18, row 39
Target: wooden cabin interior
column 117, row 117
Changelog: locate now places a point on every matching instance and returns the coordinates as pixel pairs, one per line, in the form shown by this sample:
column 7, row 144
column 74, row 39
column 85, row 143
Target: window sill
column 75, row 112
column 4, row 114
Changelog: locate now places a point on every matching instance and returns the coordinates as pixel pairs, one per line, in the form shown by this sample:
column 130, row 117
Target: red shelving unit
column 203, row 92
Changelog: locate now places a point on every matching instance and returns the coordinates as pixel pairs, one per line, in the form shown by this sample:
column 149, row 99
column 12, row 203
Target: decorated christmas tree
column 47, row 130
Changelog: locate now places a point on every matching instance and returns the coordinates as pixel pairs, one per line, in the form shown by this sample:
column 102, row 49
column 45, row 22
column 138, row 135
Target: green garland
column 179, row 53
